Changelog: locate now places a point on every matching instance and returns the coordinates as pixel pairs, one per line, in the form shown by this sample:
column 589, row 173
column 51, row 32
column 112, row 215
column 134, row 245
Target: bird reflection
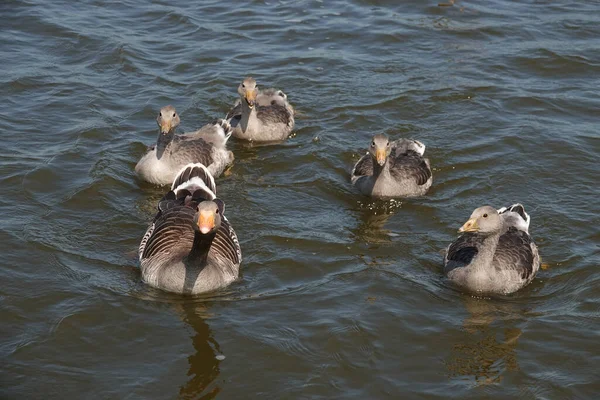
column 487, row 351
column 373, row 216
column 204, row 363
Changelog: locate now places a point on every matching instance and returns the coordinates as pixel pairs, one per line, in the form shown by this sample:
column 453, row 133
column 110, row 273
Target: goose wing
column 172, row 231
column 462, row 251
column 517, row 251
column 225, row 245
column 266, row 97
column 363, row 167
column 410, row 165
column 188, row 149
column 215, row 133
column 235, row 114
column 275, row 114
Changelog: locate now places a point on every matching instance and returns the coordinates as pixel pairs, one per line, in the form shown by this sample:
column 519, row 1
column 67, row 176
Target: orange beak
column 165, row 127
column 470, row 226
column 251, row 98
column 381, row 156
column 206, row 222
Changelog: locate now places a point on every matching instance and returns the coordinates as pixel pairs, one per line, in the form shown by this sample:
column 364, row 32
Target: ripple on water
column 338, row 293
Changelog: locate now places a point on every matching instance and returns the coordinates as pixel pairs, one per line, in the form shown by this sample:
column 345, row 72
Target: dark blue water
column 341, row 297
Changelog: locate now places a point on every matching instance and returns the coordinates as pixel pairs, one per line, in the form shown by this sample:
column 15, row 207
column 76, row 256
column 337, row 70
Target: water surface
column 341, row 296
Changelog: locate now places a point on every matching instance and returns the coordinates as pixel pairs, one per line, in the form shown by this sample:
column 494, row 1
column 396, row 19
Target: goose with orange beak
column 162, row 162
column 261, row 116
column 495, row 253
column 190, row 247
column 393, row 169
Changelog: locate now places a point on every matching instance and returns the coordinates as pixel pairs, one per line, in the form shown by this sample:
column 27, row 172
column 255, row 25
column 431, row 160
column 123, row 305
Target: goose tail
column 197, row 180
column 516, row 216
column 224, row 128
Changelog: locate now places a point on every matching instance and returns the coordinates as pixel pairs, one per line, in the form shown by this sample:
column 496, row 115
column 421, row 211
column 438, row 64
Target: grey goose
column 171, row 152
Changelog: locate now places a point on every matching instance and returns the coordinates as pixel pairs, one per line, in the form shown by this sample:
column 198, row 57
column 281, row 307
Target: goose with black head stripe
column 171, row 152
column 190, row 247
column 495, row 253
column 393, row 169
column 261, row 115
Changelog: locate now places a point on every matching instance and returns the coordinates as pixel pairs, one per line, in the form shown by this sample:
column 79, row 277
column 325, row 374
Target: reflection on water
column 373, row 215
column 486, row 352
column 204, row 363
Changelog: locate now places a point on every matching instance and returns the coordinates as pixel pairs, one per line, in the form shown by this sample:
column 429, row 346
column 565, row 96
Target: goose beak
column 470, row 226
column 251, row 98
column 165, row 127
column 206, row 222
column 381, row 156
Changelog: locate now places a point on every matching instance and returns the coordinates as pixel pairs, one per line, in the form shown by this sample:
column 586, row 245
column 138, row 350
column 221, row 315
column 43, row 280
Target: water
column 341, row 297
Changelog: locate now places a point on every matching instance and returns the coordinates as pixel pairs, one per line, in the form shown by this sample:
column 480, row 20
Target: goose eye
column 160, row 114
column 217, row 211
column 373, row 144
column 388, row 145
column 174, row 115
column 243, row 85
column 484, row 215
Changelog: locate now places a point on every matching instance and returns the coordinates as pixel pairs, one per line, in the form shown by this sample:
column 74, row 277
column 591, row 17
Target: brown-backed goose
column 190, row 247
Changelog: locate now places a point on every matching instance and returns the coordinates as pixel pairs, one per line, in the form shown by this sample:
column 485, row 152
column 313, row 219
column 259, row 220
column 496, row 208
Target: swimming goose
column 171, row 152
column 393, row 169
column 494, row 254
column 190, row 247
column 261, row 116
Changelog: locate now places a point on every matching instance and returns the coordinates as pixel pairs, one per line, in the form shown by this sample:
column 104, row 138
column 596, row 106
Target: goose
column 393, row 169
column 494, row 254
column 171, row 152
column 190, row 247
column 261, row 116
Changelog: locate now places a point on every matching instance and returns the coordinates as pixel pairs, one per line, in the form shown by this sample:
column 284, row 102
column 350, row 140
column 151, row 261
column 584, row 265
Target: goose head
column 380, row 149
column 207, row 219
column 167, row 119
column 248, row 92
column 483, row 220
